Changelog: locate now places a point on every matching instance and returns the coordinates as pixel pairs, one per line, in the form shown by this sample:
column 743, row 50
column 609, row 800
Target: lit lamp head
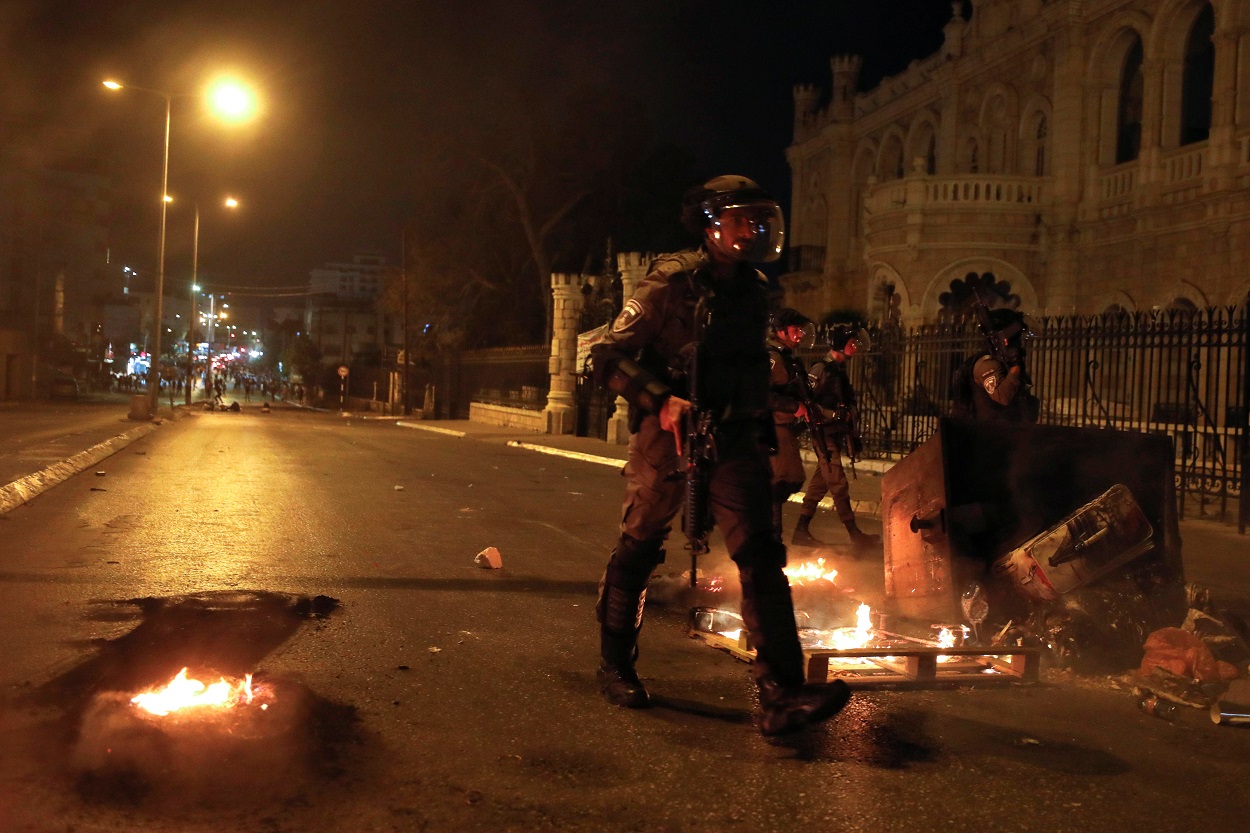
column 231, row 100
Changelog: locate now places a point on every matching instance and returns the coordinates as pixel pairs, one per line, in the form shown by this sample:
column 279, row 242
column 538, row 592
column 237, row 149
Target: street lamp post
column 403, row 271
column 230, row 202
column 231, row 100
column 195, row 260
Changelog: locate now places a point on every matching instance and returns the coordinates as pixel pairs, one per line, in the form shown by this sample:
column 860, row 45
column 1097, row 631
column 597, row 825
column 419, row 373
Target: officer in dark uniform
column 998, row 387
column 791, row 329
column 716, row 292
column 833, row 394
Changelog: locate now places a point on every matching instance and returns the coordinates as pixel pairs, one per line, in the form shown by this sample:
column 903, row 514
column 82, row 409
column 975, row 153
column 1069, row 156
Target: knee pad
column 632, row 562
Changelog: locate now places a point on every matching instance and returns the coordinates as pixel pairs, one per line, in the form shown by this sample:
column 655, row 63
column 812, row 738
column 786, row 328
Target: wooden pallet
column 911, row 666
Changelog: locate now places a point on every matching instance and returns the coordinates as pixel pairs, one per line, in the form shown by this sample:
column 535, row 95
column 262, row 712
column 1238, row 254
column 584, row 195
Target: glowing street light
column 234, row 102
column 231, row 99
column 229, row 202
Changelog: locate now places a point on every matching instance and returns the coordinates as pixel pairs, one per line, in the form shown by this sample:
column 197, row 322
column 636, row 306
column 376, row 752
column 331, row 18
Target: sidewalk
column 43, row 443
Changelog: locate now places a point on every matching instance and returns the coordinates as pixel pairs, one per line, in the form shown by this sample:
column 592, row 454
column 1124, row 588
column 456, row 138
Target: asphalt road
column 421, row 692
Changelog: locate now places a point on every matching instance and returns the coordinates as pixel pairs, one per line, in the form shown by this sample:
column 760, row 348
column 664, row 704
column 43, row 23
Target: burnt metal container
column 976, row 491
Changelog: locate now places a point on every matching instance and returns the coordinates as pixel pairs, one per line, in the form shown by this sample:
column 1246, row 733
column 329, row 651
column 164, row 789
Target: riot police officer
column 995, row 385
column 833, row 394
column 712, row 297
column 791, row 329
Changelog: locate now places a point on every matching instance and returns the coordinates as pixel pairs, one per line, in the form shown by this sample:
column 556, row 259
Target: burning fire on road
column 184, row 695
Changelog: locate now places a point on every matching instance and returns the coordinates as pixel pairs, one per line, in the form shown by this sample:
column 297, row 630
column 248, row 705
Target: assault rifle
column 996, row 341
column 700, row 453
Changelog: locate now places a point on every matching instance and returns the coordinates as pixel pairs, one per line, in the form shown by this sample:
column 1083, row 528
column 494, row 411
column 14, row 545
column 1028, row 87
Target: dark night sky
column 355, row 94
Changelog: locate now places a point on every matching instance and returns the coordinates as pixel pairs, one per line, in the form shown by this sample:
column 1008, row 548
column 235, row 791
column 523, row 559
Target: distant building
column 343, row 317
column 1074, row 157
column 359, row 280
column 53, row 254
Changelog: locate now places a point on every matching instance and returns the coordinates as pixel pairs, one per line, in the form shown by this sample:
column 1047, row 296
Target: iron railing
column 1175, row 372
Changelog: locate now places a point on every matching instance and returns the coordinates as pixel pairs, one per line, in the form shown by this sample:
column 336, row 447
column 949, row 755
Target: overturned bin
column 1069, row 534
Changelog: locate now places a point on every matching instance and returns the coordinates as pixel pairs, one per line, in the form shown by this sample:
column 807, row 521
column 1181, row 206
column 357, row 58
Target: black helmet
column 758, row 229
column 840, row 334
column 1008, row 325
column 787, row 317
column 1010, row 332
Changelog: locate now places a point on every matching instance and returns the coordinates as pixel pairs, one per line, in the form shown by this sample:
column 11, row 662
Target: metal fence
column 1181, row 373
column 513, row 376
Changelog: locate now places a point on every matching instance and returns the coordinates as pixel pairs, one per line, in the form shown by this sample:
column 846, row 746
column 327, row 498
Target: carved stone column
column 633, row 268
column 560, row 413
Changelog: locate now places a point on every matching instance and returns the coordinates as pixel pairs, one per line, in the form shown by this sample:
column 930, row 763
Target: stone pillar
column 1222, row 155
column 560, row 413
column 633, row 268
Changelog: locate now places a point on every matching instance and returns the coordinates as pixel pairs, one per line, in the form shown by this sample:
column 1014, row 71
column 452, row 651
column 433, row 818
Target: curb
column 432, row 428
column 32, row 485
column 867, row 508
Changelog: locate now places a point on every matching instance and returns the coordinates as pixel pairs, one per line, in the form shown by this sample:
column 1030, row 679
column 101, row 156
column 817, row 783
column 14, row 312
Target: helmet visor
column 752, row 232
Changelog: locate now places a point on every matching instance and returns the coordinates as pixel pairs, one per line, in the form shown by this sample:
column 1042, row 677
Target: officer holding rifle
column 835, row 423
column 787, row 394
column 704, row 314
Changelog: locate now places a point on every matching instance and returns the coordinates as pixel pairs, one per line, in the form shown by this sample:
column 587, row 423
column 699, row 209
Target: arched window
column 930, row 156
column 996, row 136
column 892, row 159
column 1128, row 116
column 1039, row 152
column 969, row 160
column 959, row 301
column 1198, row 79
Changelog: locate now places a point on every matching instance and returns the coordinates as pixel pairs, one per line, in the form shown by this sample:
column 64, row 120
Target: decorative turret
column 845, row 84
column 805, row 98
column 953, row 33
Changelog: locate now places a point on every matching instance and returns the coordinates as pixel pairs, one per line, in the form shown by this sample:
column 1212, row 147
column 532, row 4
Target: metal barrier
column 1175, row 372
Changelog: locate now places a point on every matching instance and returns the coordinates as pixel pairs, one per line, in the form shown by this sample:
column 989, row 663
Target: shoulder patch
column 629, row 314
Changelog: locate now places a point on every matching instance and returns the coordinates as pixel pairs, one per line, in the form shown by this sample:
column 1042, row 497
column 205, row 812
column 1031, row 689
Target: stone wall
column 505, row 417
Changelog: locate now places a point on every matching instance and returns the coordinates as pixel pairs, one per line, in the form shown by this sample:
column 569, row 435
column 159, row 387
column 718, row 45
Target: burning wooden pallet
column 908, row 666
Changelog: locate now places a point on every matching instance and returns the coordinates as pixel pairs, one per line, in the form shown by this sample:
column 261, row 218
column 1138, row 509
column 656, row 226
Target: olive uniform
column 998, row 393
column 644, row 360
column 832, row 391
column 784, row 400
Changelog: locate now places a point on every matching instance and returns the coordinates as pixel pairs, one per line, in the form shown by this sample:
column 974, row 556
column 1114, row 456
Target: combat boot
column 621, row 687
column 802, row 536
column 622, row 595
column 861, row 541
column 786, row 709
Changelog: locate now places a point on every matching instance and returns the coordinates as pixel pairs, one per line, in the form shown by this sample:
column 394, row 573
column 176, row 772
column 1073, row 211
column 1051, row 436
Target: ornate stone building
column 1074, row 156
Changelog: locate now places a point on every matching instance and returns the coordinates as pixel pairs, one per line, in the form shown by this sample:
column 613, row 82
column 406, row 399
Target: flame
column 182, row 693
column 946, row 638
column 847, row 639
column 810, row 571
